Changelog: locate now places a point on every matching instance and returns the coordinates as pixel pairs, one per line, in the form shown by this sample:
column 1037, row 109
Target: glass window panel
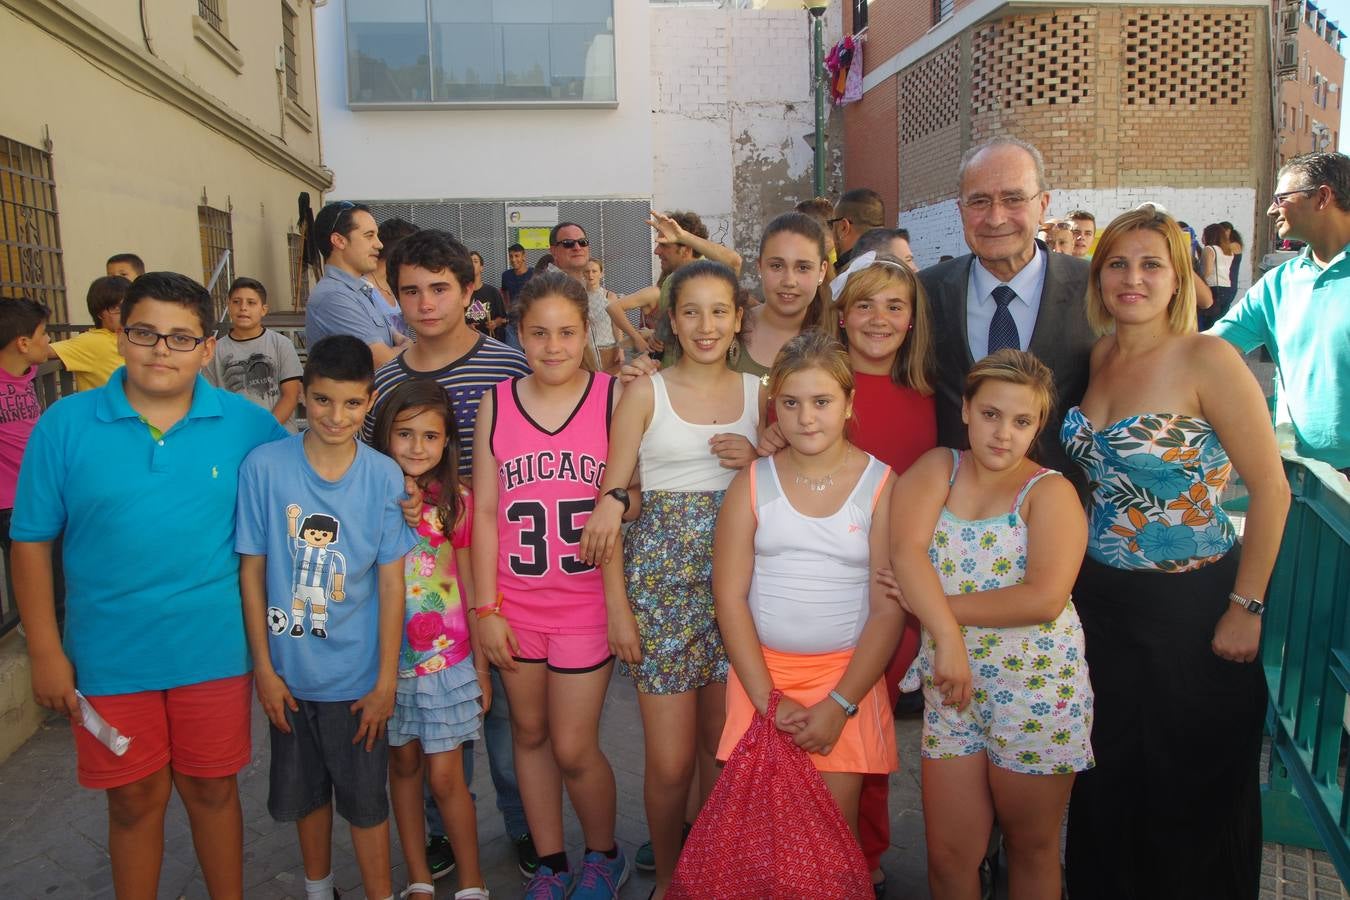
column 387, row 52
column 468, row 62
column 483, row 51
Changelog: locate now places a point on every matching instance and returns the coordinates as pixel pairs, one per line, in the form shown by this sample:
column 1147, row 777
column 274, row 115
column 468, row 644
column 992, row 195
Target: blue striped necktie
column 1002, row 328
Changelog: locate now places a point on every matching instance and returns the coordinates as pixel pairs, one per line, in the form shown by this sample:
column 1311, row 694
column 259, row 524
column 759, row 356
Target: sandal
column 419, row 887
column 473, row 893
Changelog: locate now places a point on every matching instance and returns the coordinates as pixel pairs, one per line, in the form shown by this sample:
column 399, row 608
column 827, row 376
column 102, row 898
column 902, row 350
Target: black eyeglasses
column 835, row 219
column 573, row 243
column 1283, row 198
column 144, row 337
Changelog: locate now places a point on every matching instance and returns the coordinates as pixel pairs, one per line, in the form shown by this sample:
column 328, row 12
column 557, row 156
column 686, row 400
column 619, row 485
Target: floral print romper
column 1031, row 702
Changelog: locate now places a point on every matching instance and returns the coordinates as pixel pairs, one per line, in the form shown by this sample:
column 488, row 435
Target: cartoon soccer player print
column 318, row 572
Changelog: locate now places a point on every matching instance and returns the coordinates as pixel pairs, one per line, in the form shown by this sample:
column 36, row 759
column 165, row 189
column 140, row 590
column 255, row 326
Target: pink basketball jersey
column 547, row 485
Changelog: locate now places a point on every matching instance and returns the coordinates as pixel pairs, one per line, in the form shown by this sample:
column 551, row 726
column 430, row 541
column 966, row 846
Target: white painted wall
column 489, row 153
column 936, row 229
column 731, row 102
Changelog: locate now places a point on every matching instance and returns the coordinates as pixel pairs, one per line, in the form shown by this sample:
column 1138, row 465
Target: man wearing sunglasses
column 570, row 248
column 1300, row 310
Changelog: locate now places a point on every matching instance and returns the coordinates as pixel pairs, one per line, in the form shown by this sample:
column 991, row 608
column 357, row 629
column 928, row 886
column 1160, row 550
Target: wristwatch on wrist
column 850, row 709
column 1251, row 604
column 621, row 495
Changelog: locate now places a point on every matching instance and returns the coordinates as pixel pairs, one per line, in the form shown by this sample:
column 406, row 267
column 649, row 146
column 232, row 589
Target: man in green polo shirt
column 1300, row 311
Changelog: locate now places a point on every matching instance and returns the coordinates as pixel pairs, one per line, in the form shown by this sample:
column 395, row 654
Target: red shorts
column 201, row 729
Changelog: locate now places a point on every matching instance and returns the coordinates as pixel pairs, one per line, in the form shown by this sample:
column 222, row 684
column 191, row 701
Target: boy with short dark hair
column 322, row 538
column 254, row 361
column 154, row 635
column 128, row 265
column 432, row 276
column 93, row 355
column 23, row 347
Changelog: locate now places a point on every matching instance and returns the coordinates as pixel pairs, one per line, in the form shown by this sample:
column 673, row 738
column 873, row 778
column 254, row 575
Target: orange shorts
column 202, row 730
column 867, row 743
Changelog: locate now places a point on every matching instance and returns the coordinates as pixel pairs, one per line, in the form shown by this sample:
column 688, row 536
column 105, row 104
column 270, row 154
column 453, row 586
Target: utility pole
column 816, row 10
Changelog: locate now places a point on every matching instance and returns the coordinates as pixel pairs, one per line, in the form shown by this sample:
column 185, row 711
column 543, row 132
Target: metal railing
column 1306, row 654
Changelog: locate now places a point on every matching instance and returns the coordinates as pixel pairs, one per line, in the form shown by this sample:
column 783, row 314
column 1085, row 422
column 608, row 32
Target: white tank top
column 1223, row 266
column 810, row 589
column 674, row 454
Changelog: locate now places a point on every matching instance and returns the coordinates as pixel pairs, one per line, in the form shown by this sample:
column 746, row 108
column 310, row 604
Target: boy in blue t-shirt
column 322, row 538
column 138, row 479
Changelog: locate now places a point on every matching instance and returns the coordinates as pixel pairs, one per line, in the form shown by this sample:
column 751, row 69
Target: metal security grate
column 210, row 13
column 288, row 40
column 618, row 230
column 217, row 236
column 299, row 287
column 30, row 239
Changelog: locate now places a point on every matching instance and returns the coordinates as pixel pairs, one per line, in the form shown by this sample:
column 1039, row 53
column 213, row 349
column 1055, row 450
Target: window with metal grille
column 859, row 15
column 30, row 239
column 299, row 274
column 217, row 235
column 289, row 22
column 942, row 9
column 212, row 12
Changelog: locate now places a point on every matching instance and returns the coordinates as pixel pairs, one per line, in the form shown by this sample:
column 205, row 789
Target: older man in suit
column 1008, row 292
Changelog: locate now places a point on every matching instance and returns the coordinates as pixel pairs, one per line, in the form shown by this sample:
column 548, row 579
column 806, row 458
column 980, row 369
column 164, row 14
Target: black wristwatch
column 621, row 495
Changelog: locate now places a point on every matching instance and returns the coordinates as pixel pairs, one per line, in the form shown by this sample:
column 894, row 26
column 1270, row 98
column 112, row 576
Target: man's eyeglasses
column 1010, row 202
column 573, row 243
column 1282, row 199
column 144, row 337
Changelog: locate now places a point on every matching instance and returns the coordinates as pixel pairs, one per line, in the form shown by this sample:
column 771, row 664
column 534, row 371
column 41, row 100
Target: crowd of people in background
column 988, row 489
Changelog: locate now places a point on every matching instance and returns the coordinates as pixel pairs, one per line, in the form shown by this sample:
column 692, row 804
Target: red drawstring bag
column 770, row 829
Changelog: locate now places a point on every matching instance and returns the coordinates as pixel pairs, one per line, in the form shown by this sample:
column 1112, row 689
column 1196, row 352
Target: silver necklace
column 818, row 485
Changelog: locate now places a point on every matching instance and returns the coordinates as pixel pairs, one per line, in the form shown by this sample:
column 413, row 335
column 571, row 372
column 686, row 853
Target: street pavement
column 53, row 838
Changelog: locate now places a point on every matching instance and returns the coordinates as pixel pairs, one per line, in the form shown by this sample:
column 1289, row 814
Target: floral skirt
column 668, row 569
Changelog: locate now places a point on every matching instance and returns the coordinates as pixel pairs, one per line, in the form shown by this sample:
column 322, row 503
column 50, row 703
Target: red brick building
column 1170, row 103
column 1312, row 76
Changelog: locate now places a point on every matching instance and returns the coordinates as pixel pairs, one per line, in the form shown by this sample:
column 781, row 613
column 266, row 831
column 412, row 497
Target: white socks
column 321, row 889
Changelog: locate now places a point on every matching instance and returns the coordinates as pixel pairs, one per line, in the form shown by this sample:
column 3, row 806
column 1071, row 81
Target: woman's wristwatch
column 850, row 709
column 1251, row 604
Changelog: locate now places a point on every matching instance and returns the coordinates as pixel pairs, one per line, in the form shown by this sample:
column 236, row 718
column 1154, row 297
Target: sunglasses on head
column 573, row 243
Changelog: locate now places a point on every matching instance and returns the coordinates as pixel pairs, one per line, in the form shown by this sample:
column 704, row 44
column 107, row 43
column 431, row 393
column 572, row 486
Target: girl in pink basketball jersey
column 539, row 457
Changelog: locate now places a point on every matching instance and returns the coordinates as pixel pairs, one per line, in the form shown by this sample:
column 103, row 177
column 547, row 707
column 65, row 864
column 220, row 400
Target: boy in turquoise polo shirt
column 139, row 480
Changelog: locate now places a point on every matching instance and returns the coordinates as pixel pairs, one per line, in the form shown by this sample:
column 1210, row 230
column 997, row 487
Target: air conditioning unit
column 1287, row 59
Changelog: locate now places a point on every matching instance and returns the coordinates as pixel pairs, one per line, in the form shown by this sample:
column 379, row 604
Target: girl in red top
column 540, row 448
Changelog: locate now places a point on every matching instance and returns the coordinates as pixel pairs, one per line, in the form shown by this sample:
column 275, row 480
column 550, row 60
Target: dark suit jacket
column 1061, row 339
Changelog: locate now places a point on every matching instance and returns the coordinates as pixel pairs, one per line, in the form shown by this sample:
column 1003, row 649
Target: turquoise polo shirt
column 152, row 579
column 1301, row 313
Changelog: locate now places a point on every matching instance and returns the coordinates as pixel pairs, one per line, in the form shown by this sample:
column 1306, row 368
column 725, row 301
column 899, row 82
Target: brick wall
column 869, row 141
column 893, row 25
column 929, row 132
column 1116, row 97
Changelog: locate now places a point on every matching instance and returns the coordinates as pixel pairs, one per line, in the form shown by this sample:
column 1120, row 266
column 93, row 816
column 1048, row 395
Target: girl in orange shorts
column 798, row 538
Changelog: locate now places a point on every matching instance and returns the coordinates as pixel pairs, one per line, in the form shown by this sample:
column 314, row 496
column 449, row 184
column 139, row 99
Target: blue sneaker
column 548, row 885
column 601, row 877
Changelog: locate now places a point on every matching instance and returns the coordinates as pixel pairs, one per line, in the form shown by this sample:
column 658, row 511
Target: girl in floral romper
column 442, row 691
column 1008, row 709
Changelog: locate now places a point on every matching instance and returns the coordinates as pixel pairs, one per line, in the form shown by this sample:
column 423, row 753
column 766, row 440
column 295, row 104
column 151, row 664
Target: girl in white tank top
column 798, row 541
column 670, row 428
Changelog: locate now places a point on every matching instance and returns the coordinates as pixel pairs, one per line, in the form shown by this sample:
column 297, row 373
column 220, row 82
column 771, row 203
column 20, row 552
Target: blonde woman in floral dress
column 1170, row 607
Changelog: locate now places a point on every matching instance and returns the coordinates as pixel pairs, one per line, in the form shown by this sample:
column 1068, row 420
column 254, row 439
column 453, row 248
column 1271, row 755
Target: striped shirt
column 316, row 566
column 464, row 382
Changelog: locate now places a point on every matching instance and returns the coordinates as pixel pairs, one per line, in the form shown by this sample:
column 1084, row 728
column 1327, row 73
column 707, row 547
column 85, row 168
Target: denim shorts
column 318, row 762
